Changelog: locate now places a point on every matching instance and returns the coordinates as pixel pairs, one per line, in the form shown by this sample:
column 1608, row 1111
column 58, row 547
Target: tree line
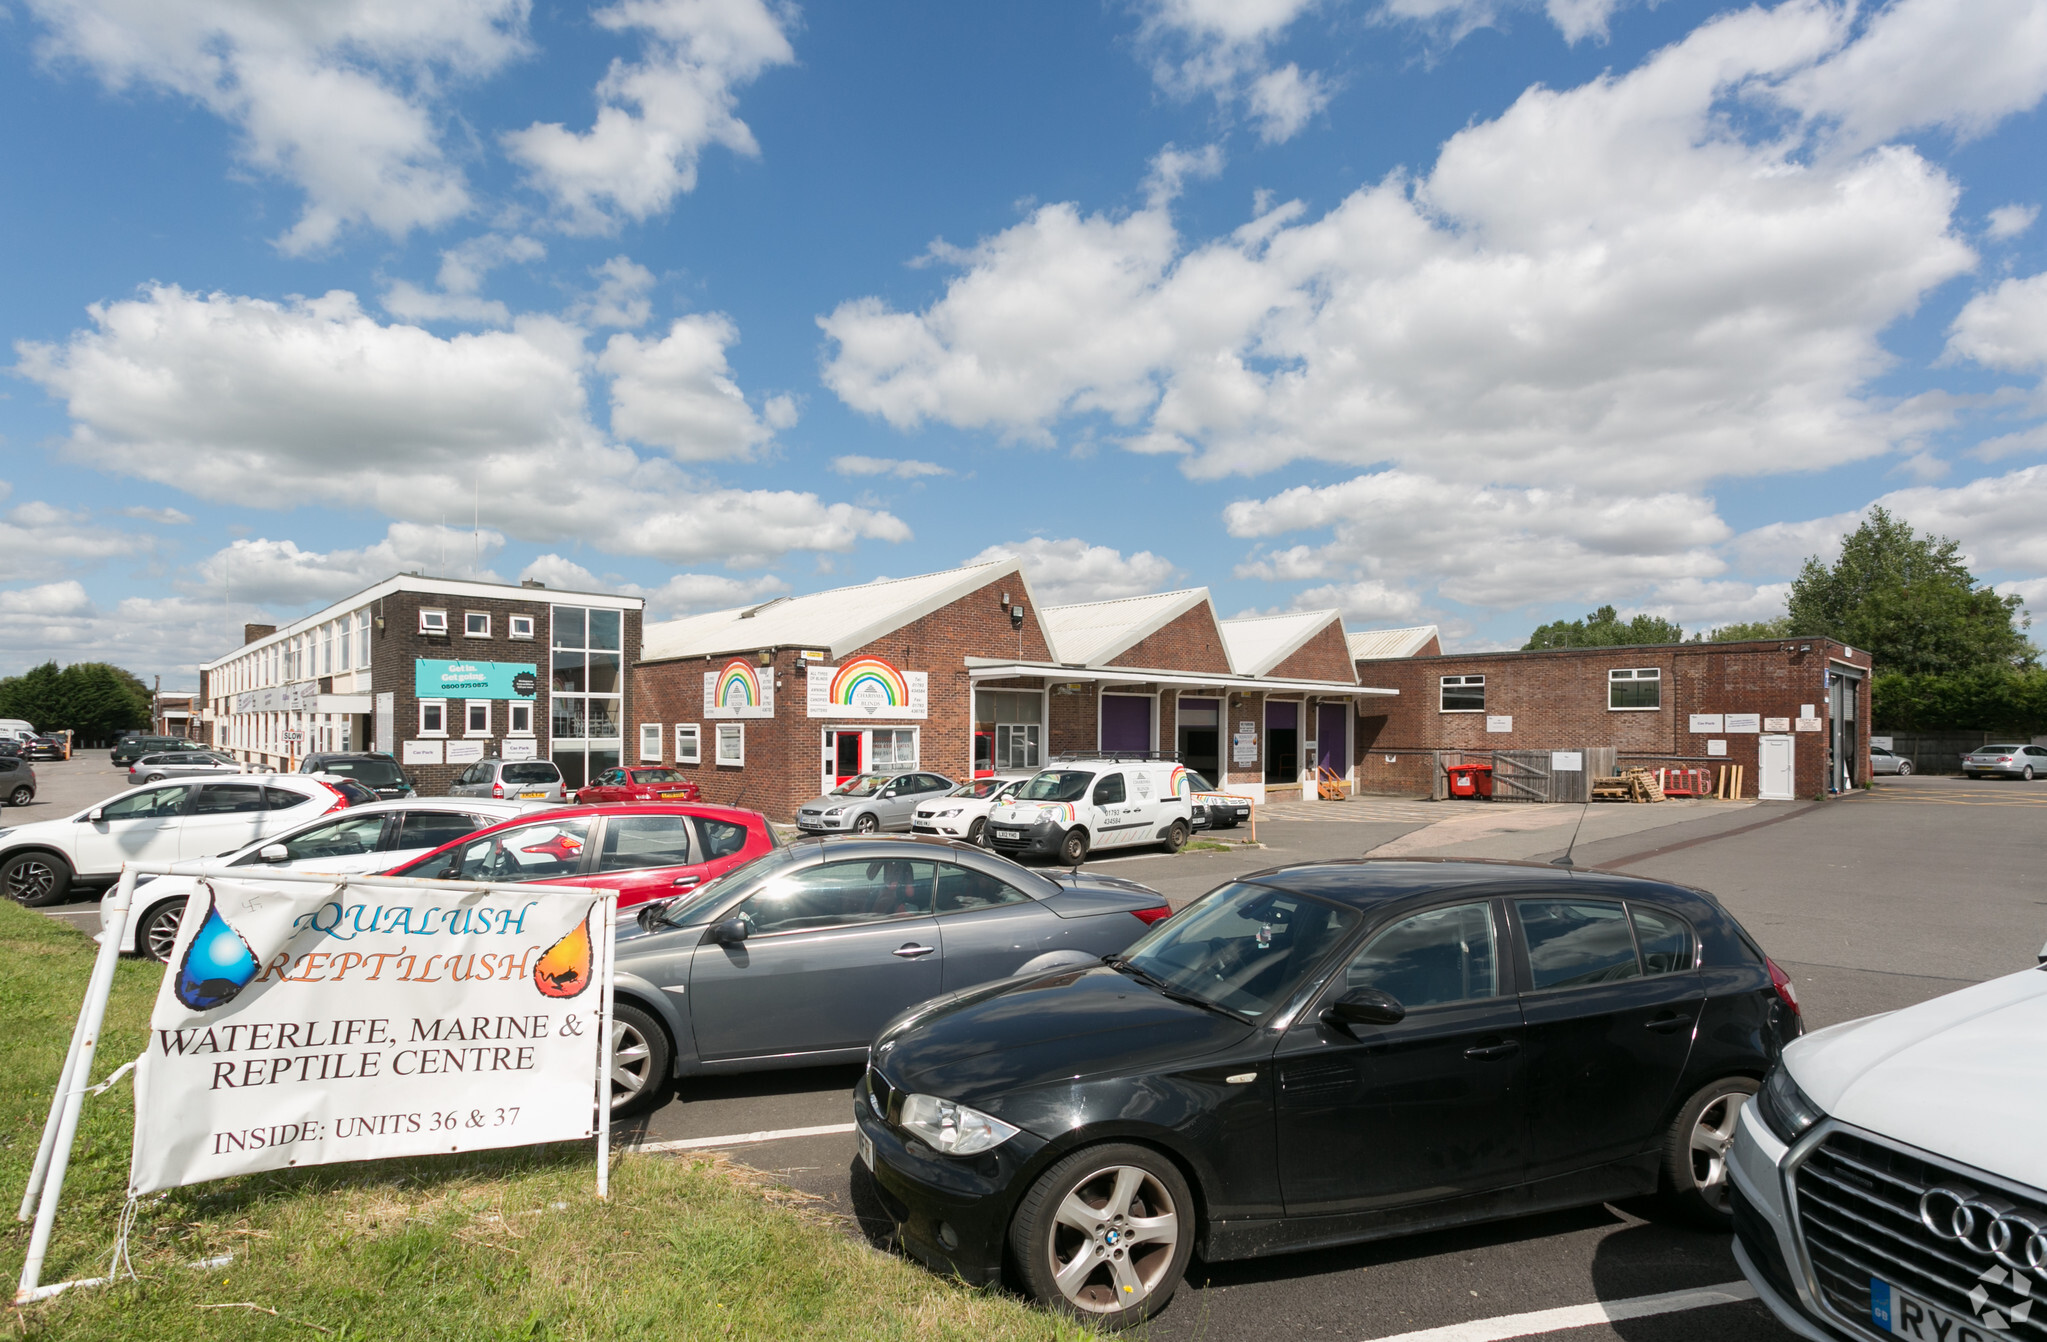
column 97, row 701
column 1950, row 653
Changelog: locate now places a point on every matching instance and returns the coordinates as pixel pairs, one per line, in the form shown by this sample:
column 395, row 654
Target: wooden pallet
column 1636, row 785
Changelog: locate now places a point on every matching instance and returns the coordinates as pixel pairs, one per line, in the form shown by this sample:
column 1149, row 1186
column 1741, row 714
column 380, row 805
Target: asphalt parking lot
column 1872, row 903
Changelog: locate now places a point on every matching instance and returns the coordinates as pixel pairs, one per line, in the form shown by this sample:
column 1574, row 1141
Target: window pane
column 568, row 626
column 566, row 713
column 155, row 802
column 534, row 853
column 632, row 842
column 1572, row 943
column 720, row 838
column 219, row 798
column 1444, row 955
column 1463, row 694
column 601, row 720
column 430, row 718
column 604, row 629
column 568, row 672
column 603, row 673
column 431, row 829
column 962, row 890
column 479, row 716
column 340, row 838
column 686, row 747
column 1109, row 792
column 283, row 799
column 839, row 894
column 1666, row 942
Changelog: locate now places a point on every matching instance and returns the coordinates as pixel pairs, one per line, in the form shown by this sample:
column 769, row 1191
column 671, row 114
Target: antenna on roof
column 1565, row 860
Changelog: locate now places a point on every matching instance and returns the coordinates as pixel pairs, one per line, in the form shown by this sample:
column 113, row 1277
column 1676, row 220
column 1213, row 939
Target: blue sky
column 1458, row 311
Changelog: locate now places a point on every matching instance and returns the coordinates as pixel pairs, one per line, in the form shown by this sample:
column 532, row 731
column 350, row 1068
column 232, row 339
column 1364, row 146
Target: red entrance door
column 843, row 756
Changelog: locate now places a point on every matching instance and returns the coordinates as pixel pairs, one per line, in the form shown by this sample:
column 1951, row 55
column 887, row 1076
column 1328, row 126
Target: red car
column 651, row 782
column 644, row 850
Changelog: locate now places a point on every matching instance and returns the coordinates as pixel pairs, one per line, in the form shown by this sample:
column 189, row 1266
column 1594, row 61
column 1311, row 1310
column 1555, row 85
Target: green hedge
column 1987, row 699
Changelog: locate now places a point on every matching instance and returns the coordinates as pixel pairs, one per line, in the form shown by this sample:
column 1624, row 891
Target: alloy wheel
column 1112, row 1239
column 31, row 880
column 866, row 824
column 161, row 936
column 631, row 1061
column 1711, row 1136
column 21, row 796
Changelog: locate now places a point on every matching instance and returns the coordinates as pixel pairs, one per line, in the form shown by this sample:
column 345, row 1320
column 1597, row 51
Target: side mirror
column 273, row 852
column 95, row 815
column 731, row 932
column 1363, row 1006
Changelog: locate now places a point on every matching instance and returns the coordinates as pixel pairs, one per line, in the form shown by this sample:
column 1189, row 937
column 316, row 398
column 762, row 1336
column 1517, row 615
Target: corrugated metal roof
column 1089, row 633
column 1257, row 643
column 1373, row 645
column 837, row 621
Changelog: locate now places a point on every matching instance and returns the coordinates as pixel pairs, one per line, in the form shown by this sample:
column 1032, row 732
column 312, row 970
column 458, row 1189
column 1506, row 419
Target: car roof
column 511, row 810
column 708, row 809
column 1369, row 882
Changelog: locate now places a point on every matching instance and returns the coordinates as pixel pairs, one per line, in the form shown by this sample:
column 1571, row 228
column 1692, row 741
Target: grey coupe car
column 1883, row 761
column 865, row 803
column 180, row 764
column 2005, row 762
column 797, row 958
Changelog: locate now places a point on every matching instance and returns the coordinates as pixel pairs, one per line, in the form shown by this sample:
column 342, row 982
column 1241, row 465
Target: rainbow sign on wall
column 739, row 691
column 867, row 687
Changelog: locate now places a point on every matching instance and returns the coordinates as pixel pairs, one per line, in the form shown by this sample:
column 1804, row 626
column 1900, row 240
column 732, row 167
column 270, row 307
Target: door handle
column 1667, row 1022
column 1487, row 1052
column 686, row 881
column 910, row 950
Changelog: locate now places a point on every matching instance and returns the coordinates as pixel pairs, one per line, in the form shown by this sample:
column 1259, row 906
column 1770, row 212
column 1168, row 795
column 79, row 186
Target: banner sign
column 306, row 1023
column 867, row 687
column 739, row 691
column 474, row 680
column 296, row 697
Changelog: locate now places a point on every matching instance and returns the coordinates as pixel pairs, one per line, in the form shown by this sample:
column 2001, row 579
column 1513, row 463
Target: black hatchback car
column 377, row 772
column 1319, row 1055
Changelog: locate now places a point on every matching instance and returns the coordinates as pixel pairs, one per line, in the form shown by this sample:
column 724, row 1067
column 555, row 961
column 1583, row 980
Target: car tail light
column 1154, row 916
column 1781, row 981
column 340, row 799
column 497, row 790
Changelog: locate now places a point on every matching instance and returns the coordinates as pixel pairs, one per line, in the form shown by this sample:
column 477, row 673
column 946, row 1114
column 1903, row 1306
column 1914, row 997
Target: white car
column 1080, row 805
column 41, row 863
column 963, row 812
column 375, row 836
column 1890, row 1178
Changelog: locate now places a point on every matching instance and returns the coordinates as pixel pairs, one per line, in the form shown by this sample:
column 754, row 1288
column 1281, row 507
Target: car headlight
column 836, row 810
column 953, row 1129
column 942, row 814
column 1784, row 1108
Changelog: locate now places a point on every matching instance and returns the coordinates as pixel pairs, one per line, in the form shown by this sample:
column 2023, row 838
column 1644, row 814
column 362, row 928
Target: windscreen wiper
column 1167, row 990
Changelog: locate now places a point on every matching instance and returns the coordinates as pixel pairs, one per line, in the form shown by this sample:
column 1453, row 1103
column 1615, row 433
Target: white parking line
column 742, row 1138
column 1580, row 1316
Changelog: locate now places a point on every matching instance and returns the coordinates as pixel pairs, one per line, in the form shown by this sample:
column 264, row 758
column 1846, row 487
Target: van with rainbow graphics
column 1087, row 803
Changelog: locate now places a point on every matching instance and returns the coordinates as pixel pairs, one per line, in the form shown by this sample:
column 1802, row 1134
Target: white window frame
column 732, row 734
column 1634, row 675
column 1443, row 683
column 362, row 641
column 433, row 621
column 440, row 706
column 469, row 707
column 513, row 623
column 650, row 743
column 689, row 743
column 513, row 712
column 471, row 616
column 896, row 766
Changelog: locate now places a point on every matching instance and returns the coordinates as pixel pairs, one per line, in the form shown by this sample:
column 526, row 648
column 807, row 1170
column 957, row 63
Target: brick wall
column 785, row 753
column 1326, row 656
column 1188, row 642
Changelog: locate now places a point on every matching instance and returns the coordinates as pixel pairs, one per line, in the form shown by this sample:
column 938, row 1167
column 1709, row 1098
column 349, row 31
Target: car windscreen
column 532, row 771
column 375, row 773
column 980, row 787
column 865, row 785
column 658, row 776
column 1244, row 948
column 698, row 905
column 1199, row 783
column 1057, row 785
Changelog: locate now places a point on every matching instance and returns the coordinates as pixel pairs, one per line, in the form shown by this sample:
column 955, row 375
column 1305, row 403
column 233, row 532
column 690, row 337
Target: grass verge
column 501, row 1245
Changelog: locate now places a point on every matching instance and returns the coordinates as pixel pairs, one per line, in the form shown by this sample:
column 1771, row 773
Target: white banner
column 304, row 1023
column 739, row 691
column 866, row 687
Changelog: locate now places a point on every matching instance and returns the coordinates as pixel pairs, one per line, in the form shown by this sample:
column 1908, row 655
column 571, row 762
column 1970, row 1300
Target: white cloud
column 167, row 636
column 677, row 392
column 1220, row 48
column 2004, row 328
column 169, row 517
column 656, row 116
column 682, row 594
column 260, row 403
column 901, row 469
column 620, row 298
column 278, row 573
column 1283, row 100
column 1065, row 571
column 463, row 269
column 1367, row 600
column 335, row 96
column 1601, row 284
column 2008, row 221
column 56, row 598
column 40, row 540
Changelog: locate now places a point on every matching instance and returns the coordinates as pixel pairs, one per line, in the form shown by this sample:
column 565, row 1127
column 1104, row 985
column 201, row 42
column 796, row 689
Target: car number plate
column 533, row 796
column 867, row 1152
column 1009, row 834
column 671, row 796
column 1902, row 1315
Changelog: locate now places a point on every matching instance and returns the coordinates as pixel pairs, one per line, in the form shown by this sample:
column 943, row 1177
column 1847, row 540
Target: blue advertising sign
column 474, row 680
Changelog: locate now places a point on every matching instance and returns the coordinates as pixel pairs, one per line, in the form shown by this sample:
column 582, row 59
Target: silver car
column 865, row 803
column 181, row 764
column 798, row 958
column 2005, row 762
column 1883, row 761
column 512, row 780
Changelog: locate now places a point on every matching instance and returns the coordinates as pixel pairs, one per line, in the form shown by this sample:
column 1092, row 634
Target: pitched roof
column 1257, row 643
column 1089, row 633
column 837, row 621
column 1372, row 645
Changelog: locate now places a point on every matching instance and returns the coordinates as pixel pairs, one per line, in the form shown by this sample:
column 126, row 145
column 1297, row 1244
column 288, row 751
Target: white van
column 14, row 729
column 1087, row 803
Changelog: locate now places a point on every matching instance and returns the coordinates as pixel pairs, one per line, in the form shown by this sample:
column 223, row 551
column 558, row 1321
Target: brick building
column 964, row 673
column 438, row 672
column 1793, row 712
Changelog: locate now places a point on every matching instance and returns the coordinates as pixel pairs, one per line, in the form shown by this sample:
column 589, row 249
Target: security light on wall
column 1016, row 614
column 764, row 657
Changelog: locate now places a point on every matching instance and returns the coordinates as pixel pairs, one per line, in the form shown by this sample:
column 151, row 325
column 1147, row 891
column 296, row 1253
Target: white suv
column 40, row 863
column 1890, row 1178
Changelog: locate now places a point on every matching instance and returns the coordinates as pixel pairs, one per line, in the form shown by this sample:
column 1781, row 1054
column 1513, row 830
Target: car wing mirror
column 1363, row 1006
column 730, row 932
column 94, row 816
column 273, row 852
